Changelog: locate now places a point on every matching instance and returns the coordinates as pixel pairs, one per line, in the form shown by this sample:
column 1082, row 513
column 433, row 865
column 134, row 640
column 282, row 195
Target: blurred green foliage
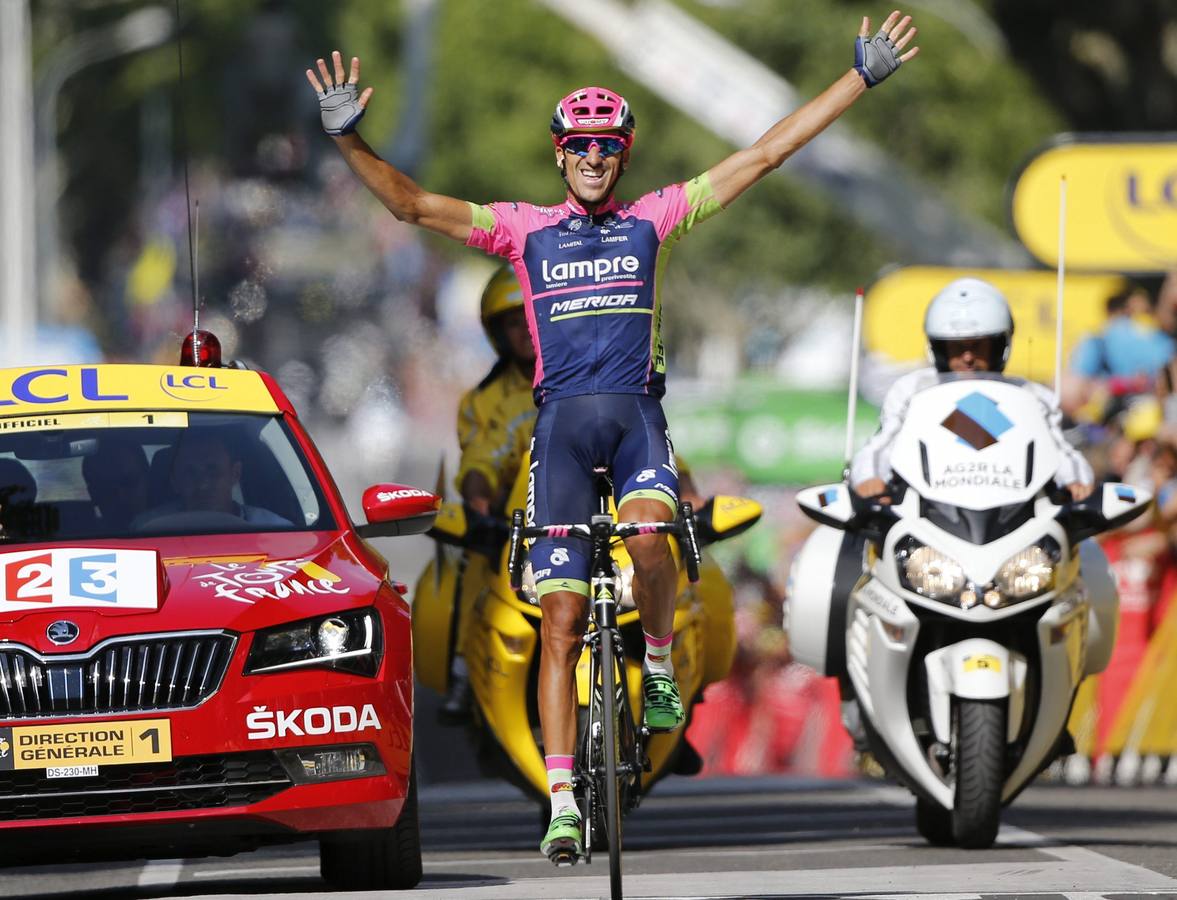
column 961, row 116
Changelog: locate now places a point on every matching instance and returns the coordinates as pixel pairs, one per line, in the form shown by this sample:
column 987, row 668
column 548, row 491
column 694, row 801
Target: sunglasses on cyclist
column 607, row 144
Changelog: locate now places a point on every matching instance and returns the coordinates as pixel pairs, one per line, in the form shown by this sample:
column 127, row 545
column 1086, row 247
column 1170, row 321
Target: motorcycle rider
column 584, row 264
column 495, row 420
column 969, row 329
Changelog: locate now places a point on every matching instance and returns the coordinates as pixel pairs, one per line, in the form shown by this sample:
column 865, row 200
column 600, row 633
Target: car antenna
column 183, row 133
column 852, row 400
column 1062, row 266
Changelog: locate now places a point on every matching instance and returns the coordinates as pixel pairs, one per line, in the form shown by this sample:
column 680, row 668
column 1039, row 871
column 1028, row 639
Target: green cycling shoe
column 563, row 843
column 663, row 705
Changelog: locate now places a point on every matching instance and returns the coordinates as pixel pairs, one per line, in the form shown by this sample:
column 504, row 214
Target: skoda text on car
column 198, row 651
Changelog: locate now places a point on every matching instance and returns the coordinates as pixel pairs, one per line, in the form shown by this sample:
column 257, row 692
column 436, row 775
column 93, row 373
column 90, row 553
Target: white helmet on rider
column 968, row 309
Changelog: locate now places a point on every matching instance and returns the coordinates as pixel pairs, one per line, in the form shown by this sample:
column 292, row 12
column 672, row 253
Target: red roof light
column 201, row 348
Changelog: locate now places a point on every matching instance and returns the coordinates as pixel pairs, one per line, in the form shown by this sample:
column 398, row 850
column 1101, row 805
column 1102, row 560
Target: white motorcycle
column 961, row 618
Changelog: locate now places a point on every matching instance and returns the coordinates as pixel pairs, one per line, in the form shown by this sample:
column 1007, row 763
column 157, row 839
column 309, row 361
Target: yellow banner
column 86, row 744
column 893, row 318
column 1121, row 205
column 47, row 390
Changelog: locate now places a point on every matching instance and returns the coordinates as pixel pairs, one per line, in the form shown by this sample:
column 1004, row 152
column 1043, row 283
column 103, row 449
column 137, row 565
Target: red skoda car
column 199, row 652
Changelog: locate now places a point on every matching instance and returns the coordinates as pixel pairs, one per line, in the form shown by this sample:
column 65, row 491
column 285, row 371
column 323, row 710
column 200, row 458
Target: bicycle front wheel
column 608, row 666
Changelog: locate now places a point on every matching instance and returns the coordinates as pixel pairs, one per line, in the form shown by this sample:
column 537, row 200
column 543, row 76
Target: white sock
column 657, row 658
column 560, row 785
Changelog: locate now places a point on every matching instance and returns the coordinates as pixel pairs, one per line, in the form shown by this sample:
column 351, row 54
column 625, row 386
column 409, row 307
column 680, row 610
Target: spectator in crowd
column 1118, row 363
column 1167, row 305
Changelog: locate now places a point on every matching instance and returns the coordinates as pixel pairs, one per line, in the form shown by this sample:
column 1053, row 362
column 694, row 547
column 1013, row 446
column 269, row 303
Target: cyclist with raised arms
column 588, row 268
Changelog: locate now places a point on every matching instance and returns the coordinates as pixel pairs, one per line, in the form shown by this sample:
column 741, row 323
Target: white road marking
column 693, row 852
column 1079, row 873
column 256, row 872
column 883, row 881
column 160, row 872
column 1071, row 853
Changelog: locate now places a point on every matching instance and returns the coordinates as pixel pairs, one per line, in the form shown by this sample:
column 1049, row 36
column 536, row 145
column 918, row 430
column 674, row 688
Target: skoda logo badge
column 62, row 632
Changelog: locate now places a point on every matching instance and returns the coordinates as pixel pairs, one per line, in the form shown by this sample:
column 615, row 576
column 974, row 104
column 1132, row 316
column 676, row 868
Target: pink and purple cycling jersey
column 591, row 284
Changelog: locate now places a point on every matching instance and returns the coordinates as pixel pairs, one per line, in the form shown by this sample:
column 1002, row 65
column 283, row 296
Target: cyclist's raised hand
column 341, row 105
column 877, row 57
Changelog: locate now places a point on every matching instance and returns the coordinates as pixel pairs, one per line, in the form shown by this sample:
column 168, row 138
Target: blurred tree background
column 995, row 79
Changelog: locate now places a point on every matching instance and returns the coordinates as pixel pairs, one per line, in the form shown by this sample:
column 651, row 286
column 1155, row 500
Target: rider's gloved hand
column 872, row 489
column 341, row 105
column 875, row 58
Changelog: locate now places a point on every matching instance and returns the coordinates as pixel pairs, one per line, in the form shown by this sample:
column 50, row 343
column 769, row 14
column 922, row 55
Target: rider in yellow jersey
column 495, row 420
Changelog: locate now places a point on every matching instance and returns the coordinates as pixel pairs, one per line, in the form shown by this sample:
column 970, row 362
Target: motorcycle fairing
column 975, row 669
column 975, row 443
column 880, row 645
column 981, row 561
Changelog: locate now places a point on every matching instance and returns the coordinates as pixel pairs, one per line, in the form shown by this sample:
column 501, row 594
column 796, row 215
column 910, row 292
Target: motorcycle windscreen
column 976, row 442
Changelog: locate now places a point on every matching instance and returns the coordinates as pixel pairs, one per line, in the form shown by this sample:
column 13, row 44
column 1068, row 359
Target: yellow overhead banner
column 46, row 390
column 893, row 318
column 1121, row 204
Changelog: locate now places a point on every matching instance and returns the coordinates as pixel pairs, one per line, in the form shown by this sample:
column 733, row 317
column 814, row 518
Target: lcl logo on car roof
column 62, row 632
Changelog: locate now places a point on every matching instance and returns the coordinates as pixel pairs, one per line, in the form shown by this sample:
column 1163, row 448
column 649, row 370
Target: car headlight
column 1029, row 572
column 351, row 641
column 929, row 572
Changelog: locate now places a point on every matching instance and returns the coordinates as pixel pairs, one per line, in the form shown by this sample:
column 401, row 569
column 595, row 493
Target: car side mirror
column 829, row 504
column 393, row 510
column 723, row 517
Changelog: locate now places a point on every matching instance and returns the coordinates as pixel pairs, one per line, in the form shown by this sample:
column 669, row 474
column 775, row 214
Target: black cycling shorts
column 574, row 435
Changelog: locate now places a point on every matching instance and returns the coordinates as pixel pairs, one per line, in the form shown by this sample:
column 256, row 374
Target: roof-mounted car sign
column 51, row 389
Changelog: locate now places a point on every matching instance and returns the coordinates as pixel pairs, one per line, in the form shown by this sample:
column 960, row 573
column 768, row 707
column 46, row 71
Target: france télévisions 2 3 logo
column 78, row 577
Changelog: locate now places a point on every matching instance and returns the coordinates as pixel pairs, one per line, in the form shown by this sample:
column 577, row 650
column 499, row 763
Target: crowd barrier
column 1124, row 721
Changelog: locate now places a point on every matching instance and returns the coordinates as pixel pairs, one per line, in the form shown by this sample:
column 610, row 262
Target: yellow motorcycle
column 498, row 633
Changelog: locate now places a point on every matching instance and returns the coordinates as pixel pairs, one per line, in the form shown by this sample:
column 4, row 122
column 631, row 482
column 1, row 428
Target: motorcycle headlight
column 351, row 641
column 929, row 572
column 1029, row 572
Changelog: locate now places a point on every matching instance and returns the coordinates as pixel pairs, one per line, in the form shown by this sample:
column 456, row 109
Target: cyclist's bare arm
column 403, row 197
column 744, row 168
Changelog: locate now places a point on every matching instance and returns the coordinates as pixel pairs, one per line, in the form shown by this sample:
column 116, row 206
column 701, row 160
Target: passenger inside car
column 18, row 493
column 206, row 475
column 116, row 476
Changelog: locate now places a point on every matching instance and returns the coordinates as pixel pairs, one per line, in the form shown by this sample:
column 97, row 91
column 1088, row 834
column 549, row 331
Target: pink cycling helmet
column 591, row 110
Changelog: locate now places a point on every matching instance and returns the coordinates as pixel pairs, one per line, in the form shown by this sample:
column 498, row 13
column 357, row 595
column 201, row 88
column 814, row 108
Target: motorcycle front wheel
column 979, row 757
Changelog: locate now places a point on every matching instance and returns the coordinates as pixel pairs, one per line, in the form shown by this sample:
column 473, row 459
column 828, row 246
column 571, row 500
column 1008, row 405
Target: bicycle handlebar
column 618, row 529
column 683, row 528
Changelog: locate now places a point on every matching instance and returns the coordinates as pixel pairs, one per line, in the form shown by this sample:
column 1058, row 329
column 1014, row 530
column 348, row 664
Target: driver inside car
column 969, row 329
column 205, row 473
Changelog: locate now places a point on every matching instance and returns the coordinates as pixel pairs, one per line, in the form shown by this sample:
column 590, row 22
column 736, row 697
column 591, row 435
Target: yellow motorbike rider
column 494, row 429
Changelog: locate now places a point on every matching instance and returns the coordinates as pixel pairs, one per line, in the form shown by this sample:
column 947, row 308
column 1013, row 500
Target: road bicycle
column 610, row 754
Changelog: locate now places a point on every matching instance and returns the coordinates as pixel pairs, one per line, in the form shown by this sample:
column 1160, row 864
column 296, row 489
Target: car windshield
column 128, row 475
